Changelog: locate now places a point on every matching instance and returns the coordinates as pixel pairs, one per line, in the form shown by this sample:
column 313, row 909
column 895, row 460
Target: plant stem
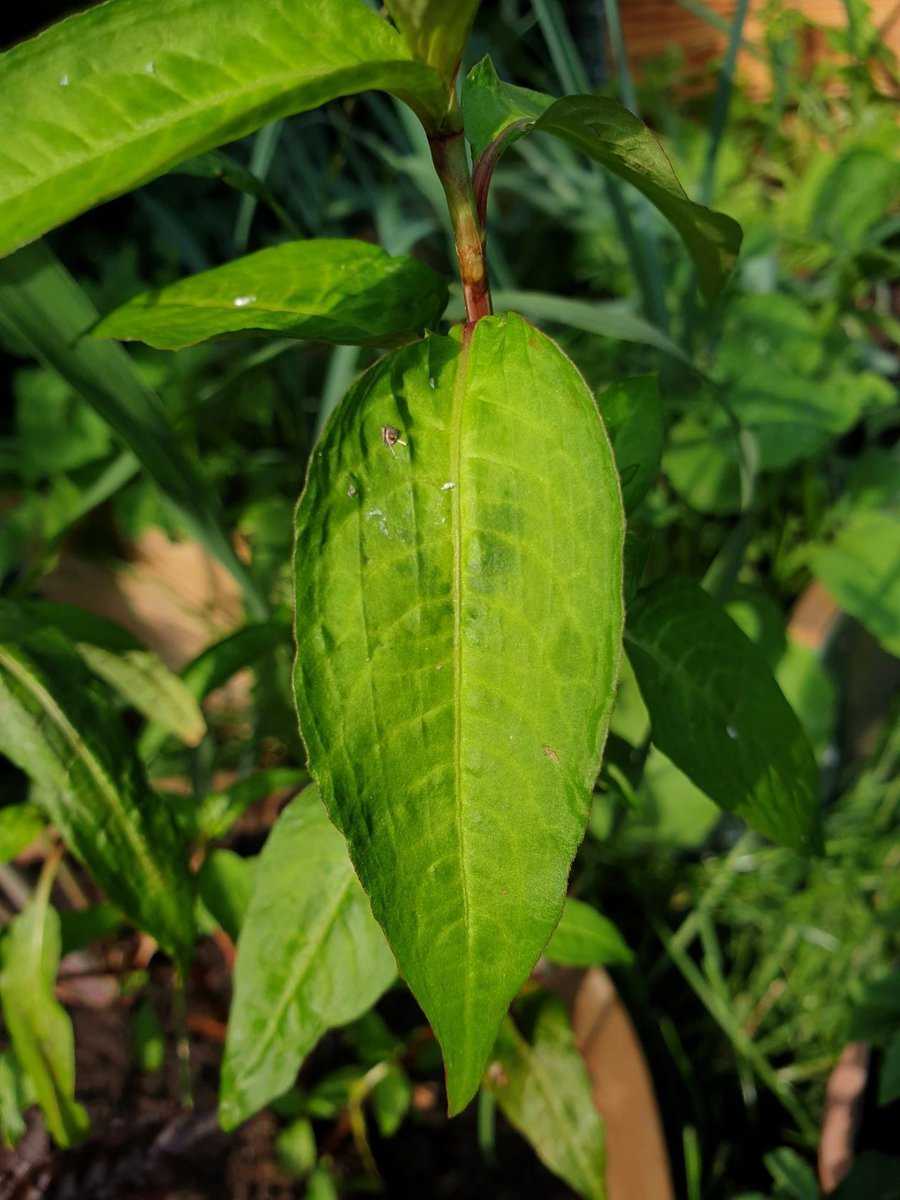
column 182, row 1040
column 448, row 152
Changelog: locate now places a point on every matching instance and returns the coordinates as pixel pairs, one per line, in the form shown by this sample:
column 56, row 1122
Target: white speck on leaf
column 243, row 301
column 731, row 731
column 150, row 68
column 432, row 383
column 351, row 490
column 448, row 486
column 63, row 81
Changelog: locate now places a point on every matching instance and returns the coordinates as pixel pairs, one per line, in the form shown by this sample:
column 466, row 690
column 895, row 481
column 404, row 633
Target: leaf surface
column 112, row 97
column 607, row 132
column 435, row 31
column 20, row 825
column 38, row 1025
column 329, row 290
column 861, row 568
column 459, row 615
column 585, row 938
column 719, row 715
column 58, row 727
column 310, row 956
column 542, row 1086
column 633, row 412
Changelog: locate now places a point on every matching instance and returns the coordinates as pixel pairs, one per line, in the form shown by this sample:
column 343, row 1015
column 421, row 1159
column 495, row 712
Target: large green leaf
column 310, row 957
column 719, row 715
column 861, row 568
column 329, row 290
column 38, row 1025
column 435, row 31
column 459, row 615
column 497, row 113
column 115, row 96
column 49, row 312
column 59, row 727
column 543, row 1088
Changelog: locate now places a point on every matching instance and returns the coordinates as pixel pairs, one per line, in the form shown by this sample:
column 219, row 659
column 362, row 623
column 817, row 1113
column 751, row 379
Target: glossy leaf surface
column 114, row 96
column 459, row 613
column 59, row 727
column 585, row 938
column 719, row 715
column 542, row 1086
column 607, row 132
column 329, row 289
column 39, row 1027
column 435, row 31
column 310, row 956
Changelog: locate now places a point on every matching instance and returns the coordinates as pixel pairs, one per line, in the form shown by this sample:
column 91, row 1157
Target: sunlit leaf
column 435, row 31
column 114, row 96
column 310, row 956
column 585, row 938
column 329, row 290
column 860, row 566
column 459, row 609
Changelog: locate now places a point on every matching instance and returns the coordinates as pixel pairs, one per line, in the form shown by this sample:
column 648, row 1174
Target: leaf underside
column 328, row 289
column 459, row 614
column 112, row 97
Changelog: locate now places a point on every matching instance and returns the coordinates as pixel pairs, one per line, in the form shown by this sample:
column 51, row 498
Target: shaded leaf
column 861, row 568
column 310, row 956
column 889, row 1079
column 542, row 1086
column 328, row 290
column 632, row 410
column 38, row 1025
column 391, row 1098
column 20, row 825
column 792, row 1176
column 184, row 81
column 607, row 132
column 585, row 938
column 225, row 884
column 719, row 715
column 458, row 629
column 435, row 31
column 295, row 1148
column 79, row 625
column 218, row 811
column 58, row 726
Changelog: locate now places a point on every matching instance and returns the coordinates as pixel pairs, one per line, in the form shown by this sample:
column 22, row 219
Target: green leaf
column 873, row 1176
column 719, row 715
column 295, row 1148
column 38, row 1025
column 146, row 683
column 16, row 1094
column 459, row 610
column 148, row 1038
column 861, row 568
column 435, row 31
column 49, row 312
column 225, row 884
column 328, row 290
column 542, row 1086
column 391, row 1098
column 585, row 938
column 793, row 1177
column 498, row 113
column 20, row 825
column 112, row 97
column 79, row 625
column 218, row 811
column 59, row 727
column 310, row 957
column 889, row 1079
column 632, row 410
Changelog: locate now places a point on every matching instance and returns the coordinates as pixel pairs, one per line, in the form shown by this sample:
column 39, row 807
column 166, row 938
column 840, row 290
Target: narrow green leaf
column 792, row 1175
column 49, row 312
column 20, row 825
column 496, row 113
column 542, row 1086
column 719, row 715
column 57, row 726
column 585, row 938
column 218, row 811
column 310, row 957
column 79, row 625
column 38, row 1025
column 225, row 884
column 112, row 97
column 147, row 684
column 328, row 290
column 435, row 31
column 633, row 412
column 459, row 615
column 861, row 568
column 16, row 1094
column 391, row 1098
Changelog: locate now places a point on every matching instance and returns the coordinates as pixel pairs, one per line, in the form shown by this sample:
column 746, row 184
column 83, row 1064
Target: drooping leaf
column 57, row 725
column 542, row 1086
column 147, row 684
column 49, row 312
column 38, row 1025
column 310, row 957
column 459, row 608
column 225, row 884
column 585, row 938
column 607, row 132
column 329, row 289
column 719, row 715
column 861, row 568
column 632, row 410
column 112, row 97
column 435, row 31
column 20, row 825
